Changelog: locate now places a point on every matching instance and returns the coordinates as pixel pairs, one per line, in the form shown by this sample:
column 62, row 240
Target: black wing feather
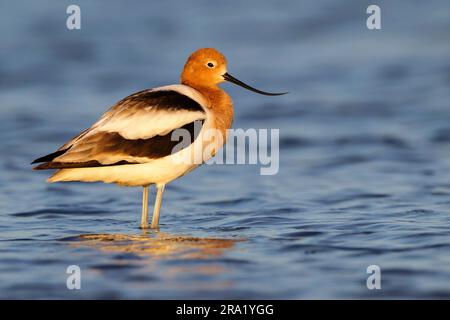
column 50, row 157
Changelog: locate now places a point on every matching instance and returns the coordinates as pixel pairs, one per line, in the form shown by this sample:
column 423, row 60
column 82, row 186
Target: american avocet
column 132, row 143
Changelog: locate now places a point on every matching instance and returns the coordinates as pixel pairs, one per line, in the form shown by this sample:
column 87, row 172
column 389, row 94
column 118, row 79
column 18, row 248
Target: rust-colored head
column 204, row 68
column 207, row 67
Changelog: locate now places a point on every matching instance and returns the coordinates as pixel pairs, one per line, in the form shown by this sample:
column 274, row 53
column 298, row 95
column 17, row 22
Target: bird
column 132, row 144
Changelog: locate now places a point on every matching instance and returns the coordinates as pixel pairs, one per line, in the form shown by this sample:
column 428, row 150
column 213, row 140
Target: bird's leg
column 144, row 217
column 159, row 194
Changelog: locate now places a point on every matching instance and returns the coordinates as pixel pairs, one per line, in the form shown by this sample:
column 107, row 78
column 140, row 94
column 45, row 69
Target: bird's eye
column 210, row 65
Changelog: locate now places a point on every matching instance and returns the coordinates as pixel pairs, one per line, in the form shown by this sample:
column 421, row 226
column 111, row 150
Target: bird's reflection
column 157, row 244
column 155, row 249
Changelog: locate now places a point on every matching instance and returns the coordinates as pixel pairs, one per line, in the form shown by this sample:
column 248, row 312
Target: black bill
column 232, row 79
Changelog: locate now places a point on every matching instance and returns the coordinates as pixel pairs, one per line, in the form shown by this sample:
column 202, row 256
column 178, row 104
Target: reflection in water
column 159, row 244
column 164, row 257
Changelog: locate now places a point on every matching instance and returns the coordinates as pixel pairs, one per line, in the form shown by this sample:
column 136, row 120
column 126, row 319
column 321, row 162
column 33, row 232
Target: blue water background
column 364, row 174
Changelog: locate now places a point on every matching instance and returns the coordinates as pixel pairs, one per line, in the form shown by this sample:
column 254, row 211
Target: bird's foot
column 154, row 226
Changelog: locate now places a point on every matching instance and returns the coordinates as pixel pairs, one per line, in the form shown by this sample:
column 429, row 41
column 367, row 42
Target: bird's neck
column 220, row 105
column 221, row 109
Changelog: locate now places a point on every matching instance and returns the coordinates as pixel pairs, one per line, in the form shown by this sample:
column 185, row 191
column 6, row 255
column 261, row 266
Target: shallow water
column 364, row 152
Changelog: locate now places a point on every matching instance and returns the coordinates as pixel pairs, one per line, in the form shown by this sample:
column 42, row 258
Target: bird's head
column 207, row 67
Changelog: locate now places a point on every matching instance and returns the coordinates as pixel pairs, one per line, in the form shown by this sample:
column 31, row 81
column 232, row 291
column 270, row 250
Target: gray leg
column 144, row 217
column 159, row 194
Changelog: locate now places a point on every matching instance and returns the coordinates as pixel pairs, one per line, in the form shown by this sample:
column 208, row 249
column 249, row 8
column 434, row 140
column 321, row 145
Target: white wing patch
column 147, row 121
